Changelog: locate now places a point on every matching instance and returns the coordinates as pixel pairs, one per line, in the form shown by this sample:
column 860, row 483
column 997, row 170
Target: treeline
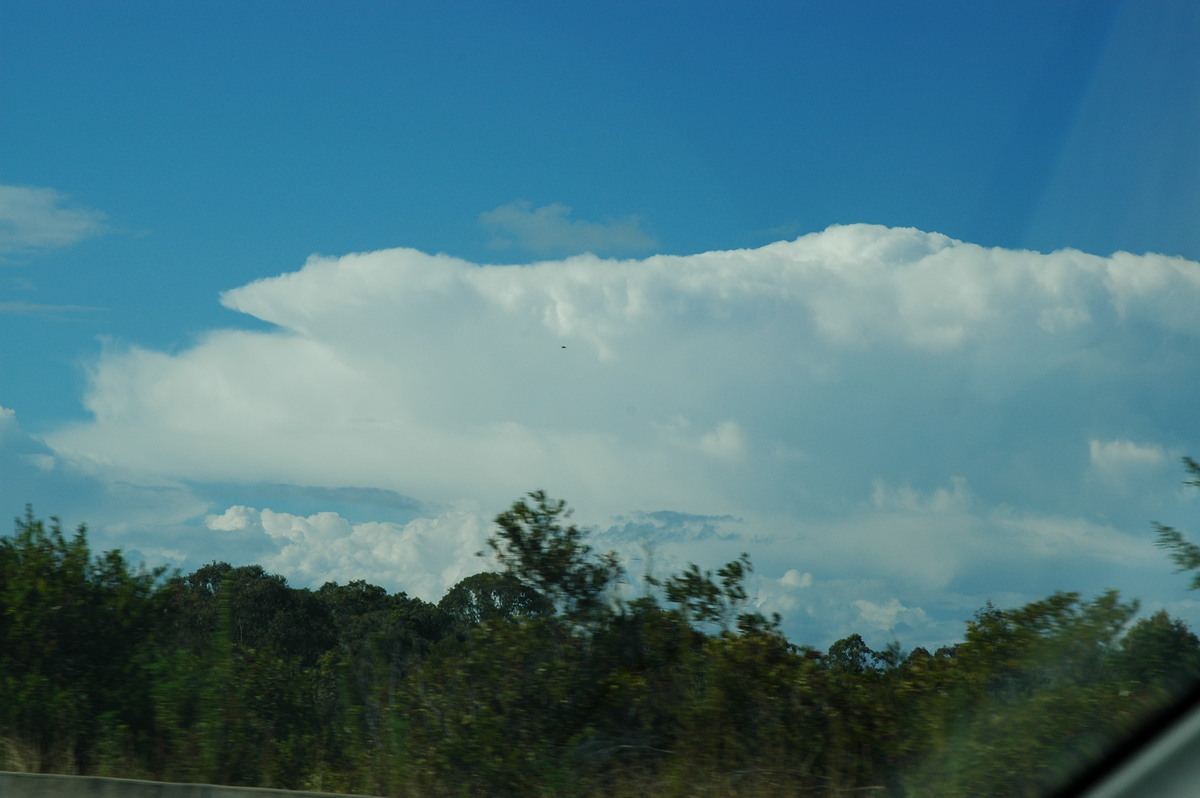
column 537, row 680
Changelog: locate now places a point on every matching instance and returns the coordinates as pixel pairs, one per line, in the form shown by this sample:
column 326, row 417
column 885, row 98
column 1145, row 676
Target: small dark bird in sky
column 564, row 346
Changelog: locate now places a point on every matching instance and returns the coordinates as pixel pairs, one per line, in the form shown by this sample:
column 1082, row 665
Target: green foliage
column 498, row 717
column 74, row 637
column 1029, row 697
column 706, row 600
column 260, row 611
column 1184, row 553
column 382, row 638
column 1158, row 650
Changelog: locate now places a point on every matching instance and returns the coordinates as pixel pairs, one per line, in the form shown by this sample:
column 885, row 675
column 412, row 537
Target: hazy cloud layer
column 37, row 218
column 548, row 229
column 46, row 311
column 143, row 513
column 895, row 424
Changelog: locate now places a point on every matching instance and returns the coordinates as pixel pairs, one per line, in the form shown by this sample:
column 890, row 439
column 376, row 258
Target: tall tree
column 536, row 545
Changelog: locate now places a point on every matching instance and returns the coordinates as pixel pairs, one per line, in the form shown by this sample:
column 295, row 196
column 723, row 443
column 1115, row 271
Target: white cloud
column 549, row 229
column 38, row 218
column 884, row 617
column 234, row 519
column 794, row 578
column 1155, row 286
column 942, row 501
column 1120, row 455
column 725, row 441
column 425, row 557
column 866, row 405
column 1127, row 468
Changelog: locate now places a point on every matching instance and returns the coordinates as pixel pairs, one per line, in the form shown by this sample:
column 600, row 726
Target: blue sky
column 292, row 282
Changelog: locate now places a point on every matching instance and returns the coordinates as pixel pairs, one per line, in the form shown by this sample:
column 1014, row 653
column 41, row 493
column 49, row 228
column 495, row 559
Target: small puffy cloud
column 1126, row 467
column 795, row 579
column 724, row 441
column 549, row 229
column 40, row 218
column 1120, row 455
column 886, row 616
column 235, row 519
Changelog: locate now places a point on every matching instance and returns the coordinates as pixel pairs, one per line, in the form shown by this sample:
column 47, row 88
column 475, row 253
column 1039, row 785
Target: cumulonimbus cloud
column 902, row 386
column 414, row 372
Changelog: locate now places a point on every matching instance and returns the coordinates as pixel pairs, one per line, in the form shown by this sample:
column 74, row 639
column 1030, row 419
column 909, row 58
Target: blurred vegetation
column 539, row 680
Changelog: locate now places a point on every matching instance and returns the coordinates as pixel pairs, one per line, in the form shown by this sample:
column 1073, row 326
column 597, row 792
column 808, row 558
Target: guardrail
column 49, row 785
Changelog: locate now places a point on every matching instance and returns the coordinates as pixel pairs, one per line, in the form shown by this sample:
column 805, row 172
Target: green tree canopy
column 489, row 596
